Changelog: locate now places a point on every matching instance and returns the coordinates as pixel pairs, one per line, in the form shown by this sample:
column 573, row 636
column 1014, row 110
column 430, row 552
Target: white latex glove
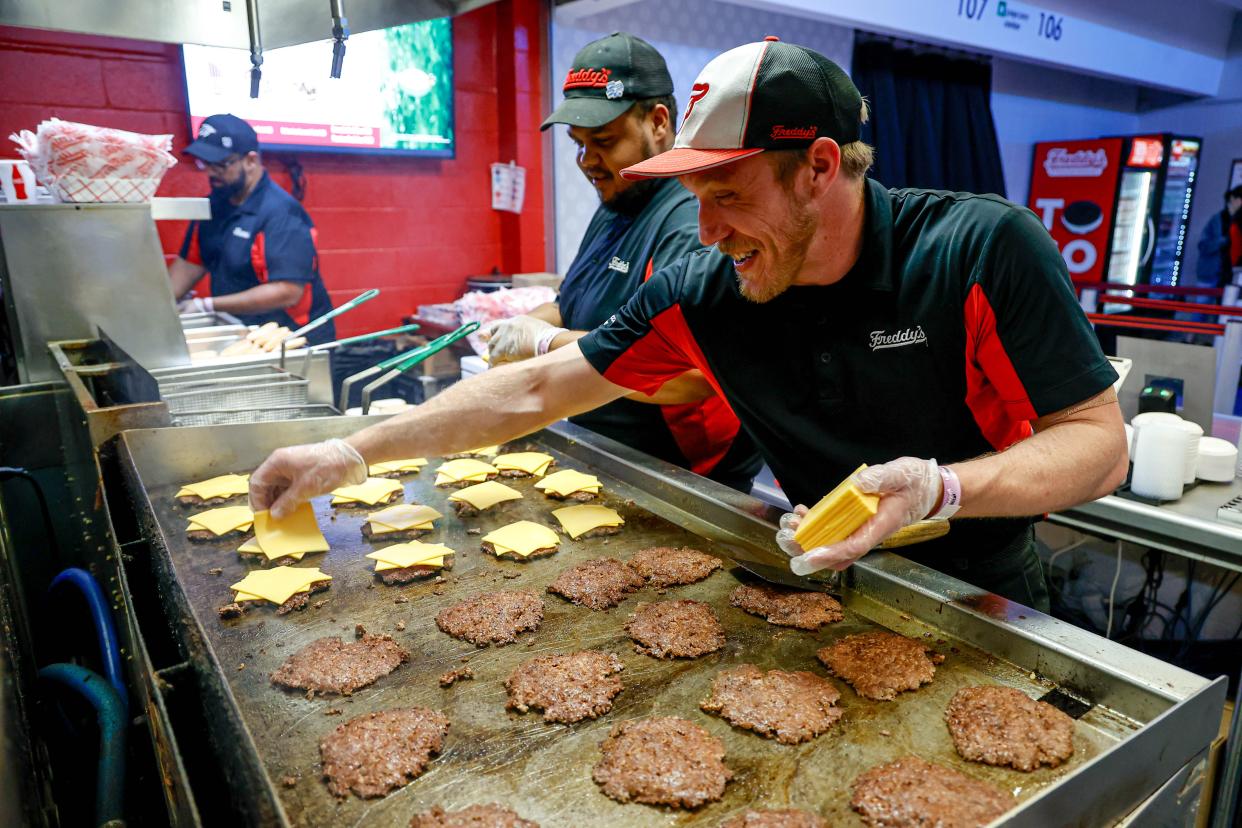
column 196, row 304
column 513, row 339
column 295, row 474
column 909, row 489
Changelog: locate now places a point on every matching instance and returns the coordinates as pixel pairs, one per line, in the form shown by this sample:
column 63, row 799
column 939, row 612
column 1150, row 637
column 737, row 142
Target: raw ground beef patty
column 666, row 566
column 599, row 584
column 787, row 707
column 376, row 753
column 567, row 688
column 911, row 793
column 1004, row 726
column 330, row 665
column 787, row 607
column 675, row 629
column 662, row 761
column 880, row 664
column 492, row 617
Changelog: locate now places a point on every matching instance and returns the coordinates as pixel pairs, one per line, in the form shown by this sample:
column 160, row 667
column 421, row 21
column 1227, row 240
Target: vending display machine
column 1118, row 208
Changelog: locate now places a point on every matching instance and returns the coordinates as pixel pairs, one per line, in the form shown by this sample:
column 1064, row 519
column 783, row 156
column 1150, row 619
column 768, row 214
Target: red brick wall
column 413, row 227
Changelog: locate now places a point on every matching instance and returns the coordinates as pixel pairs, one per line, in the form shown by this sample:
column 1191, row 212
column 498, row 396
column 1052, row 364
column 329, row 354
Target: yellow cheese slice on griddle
column 279, row 583
column 578, row 520
column 370, row 492
column 251, row 547
column 485, row 451
column 414, row 553
column 568, row 481
column 531, row 462
column 465, row 468
column 401, row 517
column 390, row 466
column 223, row 520
column 522, row 538
column 294, row 535
column 226, row 485
column 485, row 495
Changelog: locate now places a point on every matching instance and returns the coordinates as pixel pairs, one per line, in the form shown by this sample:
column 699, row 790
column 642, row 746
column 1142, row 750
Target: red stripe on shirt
column 300, row 310
column 258, row 257
column 994, row 391
column 704, row 430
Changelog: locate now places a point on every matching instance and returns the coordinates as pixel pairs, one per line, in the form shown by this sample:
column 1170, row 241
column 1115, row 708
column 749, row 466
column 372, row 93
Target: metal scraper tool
column 772, row 565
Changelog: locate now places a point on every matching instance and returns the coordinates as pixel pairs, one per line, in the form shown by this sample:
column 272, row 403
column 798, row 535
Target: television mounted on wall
column 395, row 95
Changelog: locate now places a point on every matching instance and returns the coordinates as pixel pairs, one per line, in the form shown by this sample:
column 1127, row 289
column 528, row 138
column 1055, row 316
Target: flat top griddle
column 543, row 770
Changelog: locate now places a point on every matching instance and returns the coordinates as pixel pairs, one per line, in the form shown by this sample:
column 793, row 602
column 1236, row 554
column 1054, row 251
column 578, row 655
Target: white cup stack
column 1159, row 461
column 1218, row 459
column 1193, row 430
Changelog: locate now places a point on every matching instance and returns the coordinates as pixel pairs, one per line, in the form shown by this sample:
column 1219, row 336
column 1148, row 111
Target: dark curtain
column 931, row 116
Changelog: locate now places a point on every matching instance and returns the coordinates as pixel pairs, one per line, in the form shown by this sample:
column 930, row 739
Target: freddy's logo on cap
column 806, row 133
column 206, row 130
column 586, row 78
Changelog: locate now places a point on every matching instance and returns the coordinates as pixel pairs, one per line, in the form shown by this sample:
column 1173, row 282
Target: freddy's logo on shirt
column 898, row 339
column 618, row 265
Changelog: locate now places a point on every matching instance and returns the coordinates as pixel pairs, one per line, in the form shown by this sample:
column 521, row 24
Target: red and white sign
column 311, row 135
column 1073, row 191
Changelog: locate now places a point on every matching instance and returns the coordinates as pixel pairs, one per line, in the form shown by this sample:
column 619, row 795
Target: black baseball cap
column 221, row 136
column 761, row 96
column 607, row 76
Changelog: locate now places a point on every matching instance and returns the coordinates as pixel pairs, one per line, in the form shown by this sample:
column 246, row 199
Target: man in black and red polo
column 845, row 323
column 258, row 245
column 619, row 109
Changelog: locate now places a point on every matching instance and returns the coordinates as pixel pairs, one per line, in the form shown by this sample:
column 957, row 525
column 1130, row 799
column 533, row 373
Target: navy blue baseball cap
column 223, row 136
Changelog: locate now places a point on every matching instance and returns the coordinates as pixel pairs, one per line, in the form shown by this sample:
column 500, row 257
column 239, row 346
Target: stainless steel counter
column 1149, row 722
column 1187, row 527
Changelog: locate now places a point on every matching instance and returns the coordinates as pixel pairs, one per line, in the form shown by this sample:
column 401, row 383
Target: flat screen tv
column 394, row 96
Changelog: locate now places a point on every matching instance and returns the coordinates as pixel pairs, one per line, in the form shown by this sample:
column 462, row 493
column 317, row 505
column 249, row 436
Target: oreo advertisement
column 1073, row 191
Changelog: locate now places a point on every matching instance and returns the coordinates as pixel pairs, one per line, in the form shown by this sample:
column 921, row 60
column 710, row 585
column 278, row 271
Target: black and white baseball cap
column 761, row 96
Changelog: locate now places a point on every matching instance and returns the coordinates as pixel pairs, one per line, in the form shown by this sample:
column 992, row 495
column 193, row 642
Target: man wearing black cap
column 844, row 322
column 259, row 244
column 620, row 110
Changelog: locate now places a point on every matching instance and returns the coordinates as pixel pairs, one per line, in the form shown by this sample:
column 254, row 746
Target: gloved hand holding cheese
column 869, row 506
column 290, row 475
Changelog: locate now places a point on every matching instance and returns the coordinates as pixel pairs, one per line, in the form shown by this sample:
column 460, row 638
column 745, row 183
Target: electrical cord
column 1112, row 594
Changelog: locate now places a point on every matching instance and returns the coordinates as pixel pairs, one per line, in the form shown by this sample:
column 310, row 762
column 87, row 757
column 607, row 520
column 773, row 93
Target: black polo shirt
column 618, row 252
column 956, row 327
column 268, row 237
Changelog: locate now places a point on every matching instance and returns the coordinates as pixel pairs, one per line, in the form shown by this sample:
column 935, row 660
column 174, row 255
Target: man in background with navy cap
column 258, row 245
column 620, row 110
column 844, row 322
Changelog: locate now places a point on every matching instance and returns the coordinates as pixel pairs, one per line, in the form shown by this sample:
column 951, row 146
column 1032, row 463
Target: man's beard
column 633, row 198
column 230, row 189
column 783, row 271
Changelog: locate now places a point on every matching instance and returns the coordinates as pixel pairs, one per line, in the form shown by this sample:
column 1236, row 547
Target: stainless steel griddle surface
column 544, row 770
